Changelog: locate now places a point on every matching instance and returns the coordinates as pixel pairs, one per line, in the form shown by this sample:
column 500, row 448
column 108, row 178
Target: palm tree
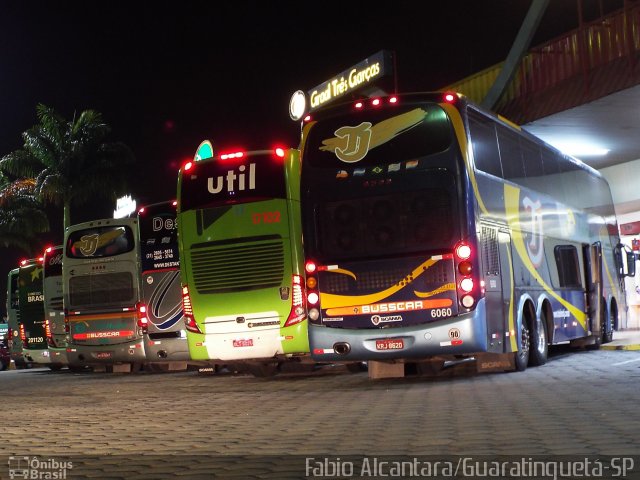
column 71, row 162
column 22, row 218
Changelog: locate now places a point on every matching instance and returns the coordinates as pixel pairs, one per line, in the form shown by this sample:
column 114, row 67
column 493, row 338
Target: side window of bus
column 568, row 266
column 485, row 144
column 510, row 155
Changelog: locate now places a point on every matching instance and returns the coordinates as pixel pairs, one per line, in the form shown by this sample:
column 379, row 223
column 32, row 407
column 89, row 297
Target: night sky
column 168, row 74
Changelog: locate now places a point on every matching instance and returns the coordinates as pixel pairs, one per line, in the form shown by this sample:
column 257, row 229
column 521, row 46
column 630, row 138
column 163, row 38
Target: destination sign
column 363, row 74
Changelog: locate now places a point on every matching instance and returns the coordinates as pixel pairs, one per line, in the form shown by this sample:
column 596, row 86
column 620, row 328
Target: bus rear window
column 379, row 137
column 99, row 242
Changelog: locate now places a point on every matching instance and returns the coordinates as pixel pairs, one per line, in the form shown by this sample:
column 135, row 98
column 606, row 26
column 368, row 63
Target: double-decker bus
column 166, row 338
column 241, row 259
column 53, row 307
column 13, row 319
column 101, row 275
column 434, row 228
column 31, row 307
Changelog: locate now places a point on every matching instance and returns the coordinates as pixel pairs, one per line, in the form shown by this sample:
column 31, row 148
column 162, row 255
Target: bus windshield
column 386, row 185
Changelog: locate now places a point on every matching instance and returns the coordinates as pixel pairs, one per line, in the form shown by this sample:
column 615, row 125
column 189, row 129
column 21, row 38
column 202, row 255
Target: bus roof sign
column 366, row 74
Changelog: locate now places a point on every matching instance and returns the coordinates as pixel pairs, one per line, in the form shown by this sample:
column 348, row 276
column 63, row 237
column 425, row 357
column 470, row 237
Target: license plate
column 103, row 355
column 243, row 343
column 390, row 344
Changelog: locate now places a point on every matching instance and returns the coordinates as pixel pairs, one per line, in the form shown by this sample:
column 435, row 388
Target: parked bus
column 31, row 307
column 166, row 338
column 13, row 320
column 53, row 307
column 434, row 228
column 101, row 276
column 241, row 259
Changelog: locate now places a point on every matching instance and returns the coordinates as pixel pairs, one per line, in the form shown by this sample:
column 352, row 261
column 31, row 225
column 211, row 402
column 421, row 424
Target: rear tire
column 522, row 355
column 539, row 350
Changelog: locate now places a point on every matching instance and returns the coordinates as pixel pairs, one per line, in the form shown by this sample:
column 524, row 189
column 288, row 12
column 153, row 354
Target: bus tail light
column 143, row 319
column 47, row 333
column 189, row 320
column 466, row 275
column 23, row 336
column 312, row 293
column 297, row 313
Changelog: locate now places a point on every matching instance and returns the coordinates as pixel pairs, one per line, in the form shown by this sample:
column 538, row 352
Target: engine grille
column 101, row 289
column 220, row 267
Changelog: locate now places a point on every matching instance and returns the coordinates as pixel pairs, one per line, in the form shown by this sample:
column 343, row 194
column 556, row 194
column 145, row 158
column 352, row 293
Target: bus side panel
column 166, row 339
column 31, row 301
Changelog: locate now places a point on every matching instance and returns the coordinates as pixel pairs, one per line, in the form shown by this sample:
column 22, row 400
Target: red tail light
column 23, row 336
column 48, row 334
column 189, row 320
column 468, row 293
column 297, row 313
column 312, row 293
column 143, row 319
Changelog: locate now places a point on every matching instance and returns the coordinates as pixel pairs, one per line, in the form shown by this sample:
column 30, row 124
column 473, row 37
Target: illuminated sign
column 124, row 207
column 204, row 151
column 364, row 74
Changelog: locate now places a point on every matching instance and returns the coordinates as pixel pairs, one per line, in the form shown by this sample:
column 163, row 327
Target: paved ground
column 190, row 425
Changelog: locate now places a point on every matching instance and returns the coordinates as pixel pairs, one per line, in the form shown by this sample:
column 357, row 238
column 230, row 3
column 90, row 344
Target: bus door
column 593, row 287
column 496, row 253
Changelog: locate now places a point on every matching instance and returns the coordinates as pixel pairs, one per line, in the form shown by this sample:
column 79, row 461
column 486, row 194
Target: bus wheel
column 522, row 355
column 607, row 334
column 539, row 345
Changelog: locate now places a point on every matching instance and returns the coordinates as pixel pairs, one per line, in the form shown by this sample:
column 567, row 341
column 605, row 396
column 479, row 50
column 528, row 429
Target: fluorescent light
column 581, row 149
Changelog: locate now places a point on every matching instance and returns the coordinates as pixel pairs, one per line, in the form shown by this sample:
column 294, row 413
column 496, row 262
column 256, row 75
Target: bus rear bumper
column 465, row 334
column 106, row 354
column 266, row 343
column 168, row 349
column 58, row 355
column 39, row 356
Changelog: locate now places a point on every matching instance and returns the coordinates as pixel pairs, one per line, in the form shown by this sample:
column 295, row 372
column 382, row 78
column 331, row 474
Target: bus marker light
column 456, row 342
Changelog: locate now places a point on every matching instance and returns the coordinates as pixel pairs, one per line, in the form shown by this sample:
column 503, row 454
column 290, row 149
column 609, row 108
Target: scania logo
column 378, row 319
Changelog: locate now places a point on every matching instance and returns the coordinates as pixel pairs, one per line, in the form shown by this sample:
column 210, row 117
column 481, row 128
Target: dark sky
column 168, row 74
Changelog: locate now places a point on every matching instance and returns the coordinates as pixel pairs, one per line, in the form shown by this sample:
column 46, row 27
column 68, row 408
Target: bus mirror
column 626, row 259
column 631, row 264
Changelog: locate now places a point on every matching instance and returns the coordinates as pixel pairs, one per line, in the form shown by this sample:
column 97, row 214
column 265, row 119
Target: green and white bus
column 31, row 307
column 166, row 337
column 241, row 259
column 104, row 320
column 53, row 307
column 434, row 228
